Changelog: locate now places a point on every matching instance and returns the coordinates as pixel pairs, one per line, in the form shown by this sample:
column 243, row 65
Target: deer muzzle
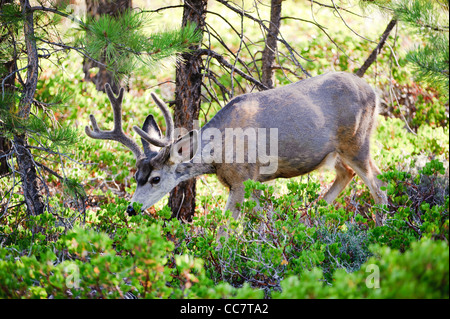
column 130, row 210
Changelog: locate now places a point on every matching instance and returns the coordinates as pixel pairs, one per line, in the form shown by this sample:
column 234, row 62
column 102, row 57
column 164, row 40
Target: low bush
column 421, row 272
column 294, row 245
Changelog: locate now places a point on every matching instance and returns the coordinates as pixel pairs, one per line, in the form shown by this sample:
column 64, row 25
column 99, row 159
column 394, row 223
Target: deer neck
column 191, row 169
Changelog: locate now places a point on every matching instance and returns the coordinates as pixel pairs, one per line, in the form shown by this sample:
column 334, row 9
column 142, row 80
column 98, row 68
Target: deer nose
column 130, row 210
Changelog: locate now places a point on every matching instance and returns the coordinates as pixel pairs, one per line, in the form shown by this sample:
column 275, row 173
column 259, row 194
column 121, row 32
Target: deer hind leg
column 368, row 171
column 344, row 175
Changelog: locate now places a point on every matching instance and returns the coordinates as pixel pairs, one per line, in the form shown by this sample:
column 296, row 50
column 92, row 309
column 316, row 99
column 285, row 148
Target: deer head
column 160, row 162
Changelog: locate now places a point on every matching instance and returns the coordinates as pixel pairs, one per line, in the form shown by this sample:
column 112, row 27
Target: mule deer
column 317, row 121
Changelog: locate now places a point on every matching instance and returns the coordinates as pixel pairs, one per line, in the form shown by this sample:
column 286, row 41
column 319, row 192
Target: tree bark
column 95, row 8
column 373, row 56
column 187, row 105
column 5, row 148
column 30, row 181
column 269, row 53
column 7, row 89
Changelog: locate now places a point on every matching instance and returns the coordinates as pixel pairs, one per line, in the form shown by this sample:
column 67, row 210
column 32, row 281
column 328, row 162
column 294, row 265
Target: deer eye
column 155, row 180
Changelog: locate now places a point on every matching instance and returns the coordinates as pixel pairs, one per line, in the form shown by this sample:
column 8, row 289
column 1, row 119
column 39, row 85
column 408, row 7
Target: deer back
column 334, row 112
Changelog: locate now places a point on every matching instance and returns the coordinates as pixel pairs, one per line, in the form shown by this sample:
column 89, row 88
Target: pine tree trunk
column 95, row 8
column 30, row 181
column 5, row 147
column 8, row 69
column 187, row 105
column 269, row 53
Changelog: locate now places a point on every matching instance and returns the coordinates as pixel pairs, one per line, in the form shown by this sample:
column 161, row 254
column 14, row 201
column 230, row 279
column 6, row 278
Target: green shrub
column 421, row 272
column 288, row 235
column 419, row 206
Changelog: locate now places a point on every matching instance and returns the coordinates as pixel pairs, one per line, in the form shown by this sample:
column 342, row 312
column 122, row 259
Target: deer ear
column 152, row 129
column 184, row 148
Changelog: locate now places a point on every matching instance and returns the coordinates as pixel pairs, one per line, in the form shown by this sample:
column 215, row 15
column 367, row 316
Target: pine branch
column 226, row 64
column 335, row 7
column 291, row 50
column 7, row 77
column 55, row 11
column 121, row 42
column 49, row 170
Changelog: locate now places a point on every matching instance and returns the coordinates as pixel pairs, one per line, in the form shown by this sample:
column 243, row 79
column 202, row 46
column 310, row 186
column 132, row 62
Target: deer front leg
column 235, row 197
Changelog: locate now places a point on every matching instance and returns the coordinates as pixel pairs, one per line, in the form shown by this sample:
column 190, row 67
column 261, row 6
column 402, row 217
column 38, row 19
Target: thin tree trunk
column 5, row 148
column 7, row 90
column 95, row 8
column 30, row 181
column 269, row 53
column 373, row 56
column 187, row 105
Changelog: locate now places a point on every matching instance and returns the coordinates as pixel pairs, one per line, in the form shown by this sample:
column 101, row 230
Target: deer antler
column 168, row 139
column 117, row 133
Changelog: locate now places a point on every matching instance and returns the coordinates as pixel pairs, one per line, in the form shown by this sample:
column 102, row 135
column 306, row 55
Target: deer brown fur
column 321, row 120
